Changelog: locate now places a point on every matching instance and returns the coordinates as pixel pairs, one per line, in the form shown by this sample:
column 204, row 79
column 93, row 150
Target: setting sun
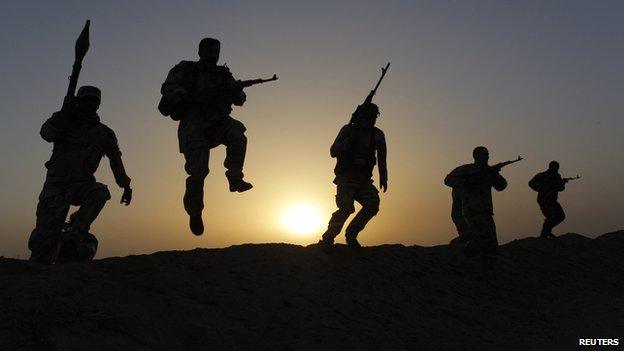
column 302, row 219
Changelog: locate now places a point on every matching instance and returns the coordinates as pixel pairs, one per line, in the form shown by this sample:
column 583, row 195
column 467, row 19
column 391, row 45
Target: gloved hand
column 126, row 197
column 384, row 185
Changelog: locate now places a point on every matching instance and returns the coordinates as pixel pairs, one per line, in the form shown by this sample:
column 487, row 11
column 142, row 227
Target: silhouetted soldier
column 548, row 184
column 200, row 95
column 80, row 141
column 475, row 182
column 355, row 148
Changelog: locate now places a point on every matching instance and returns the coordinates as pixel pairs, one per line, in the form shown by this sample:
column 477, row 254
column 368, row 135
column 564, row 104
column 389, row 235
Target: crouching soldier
column 80, row 140
column 355, row 149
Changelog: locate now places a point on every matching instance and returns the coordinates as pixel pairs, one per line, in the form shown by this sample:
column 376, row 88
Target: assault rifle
column 242, row 84
column 237, row 85
column 372, row 93
column 369, row 98
column 497, row 167
column 571, row 178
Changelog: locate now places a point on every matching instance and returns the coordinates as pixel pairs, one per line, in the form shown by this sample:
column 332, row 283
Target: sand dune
column 547, row 295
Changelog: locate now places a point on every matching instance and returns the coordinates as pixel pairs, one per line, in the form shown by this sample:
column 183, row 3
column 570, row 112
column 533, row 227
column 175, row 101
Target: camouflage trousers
column 554, row 215
column 484, row 241
column 229, row 133
column 366, row 195
column 46, row 241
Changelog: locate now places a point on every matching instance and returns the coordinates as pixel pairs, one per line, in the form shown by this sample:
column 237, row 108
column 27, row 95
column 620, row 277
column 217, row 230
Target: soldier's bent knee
column 236, row 131
column 100, row 194
column 346, row 209
column 371, row 210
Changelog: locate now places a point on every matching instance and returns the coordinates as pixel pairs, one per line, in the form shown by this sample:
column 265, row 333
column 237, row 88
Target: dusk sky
column 541, row 79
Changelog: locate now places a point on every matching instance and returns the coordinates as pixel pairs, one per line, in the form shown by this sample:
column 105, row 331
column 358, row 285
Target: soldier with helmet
column 358, row 147
column 80, row 141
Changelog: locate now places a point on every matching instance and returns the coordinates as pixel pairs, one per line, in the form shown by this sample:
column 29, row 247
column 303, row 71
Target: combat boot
column 326, row 245
column 354, row 244
column 239, row 185
column 547, row 236
column 197, row 224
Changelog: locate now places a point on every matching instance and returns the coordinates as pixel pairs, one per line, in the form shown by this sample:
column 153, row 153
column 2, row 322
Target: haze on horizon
column 541, row 80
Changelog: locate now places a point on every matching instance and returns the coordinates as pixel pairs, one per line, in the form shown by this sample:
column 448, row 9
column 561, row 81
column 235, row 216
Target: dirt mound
column 547, row 295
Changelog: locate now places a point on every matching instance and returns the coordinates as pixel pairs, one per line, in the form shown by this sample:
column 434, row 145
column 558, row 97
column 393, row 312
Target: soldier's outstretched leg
column 51, row 213
column 196, row 167
column 235, row 143
column 345, row 197
column 369, row 199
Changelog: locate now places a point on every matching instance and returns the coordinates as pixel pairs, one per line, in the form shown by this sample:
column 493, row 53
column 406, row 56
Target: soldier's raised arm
column 341, row 144
column 53, row 128
column 382, row 152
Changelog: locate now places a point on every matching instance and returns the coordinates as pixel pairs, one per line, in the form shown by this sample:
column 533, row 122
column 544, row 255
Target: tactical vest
column 357, row 163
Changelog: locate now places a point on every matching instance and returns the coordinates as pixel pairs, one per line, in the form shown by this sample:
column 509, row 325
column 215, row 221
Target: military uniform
column 548, row 184
column 80, row 142
column 355, row 149
column 474, row 184
column 204, row 111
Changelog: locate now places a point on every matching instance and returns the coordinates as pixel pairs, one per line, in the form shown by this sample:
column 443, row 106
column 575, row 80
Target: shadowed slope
column 547, row 294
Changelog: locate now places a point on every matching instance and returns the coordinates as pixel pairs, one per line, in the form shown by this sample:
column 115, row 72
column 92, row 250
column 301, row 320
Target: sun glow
column 302, row 219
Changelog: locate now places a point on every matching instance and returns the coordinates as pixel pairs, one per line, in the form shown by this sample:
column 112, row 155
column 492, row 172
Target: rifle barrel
column 383, row 73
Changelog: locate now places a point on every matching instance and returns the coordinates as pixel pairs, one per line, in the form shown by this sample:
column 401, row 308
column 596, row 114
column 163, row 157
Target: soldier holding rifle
column 548, row 184
column 358, row 146
column 200, row 95
column 472, row 186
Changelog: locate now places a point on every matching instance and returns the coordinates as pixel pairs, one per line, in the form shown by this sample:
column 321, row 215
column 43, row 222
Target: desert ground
column 547, row 294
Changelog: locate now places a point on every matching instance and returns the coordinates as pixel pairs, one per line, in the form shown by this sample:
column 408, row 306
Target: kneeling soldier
column 80, row 140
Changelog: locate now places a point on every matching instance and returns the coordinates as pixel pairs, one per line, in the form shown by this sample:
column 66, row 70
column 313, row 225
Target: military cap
column 88, row 90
